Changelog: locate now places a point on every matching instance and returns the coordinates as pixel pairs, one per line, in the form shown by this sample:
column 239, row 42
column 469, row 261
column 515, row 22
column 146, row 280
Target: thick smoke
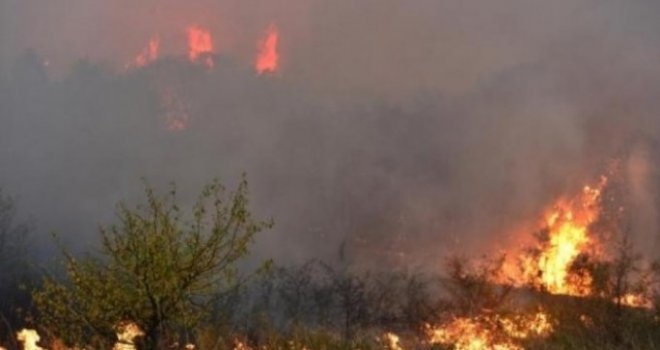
column 397, row 131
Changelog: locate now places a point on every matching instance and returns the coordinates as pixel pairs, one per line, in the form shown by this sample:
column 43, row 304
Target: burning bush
column 579, row 285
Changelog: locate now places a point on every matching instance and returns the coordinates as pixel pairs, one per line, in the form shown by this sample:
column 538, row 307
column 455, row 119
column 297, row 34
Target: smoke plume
column 398, row 131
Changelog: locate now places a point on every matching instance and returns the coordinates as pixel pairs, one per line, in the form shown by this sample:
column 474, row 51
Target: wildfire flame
column 268, row 55
column 636, row 300
column 487, row 332
column 567, row 226
column 126, row 334
column 392, row 341
column 147, row 55
column 200, row 45
column 29, row 338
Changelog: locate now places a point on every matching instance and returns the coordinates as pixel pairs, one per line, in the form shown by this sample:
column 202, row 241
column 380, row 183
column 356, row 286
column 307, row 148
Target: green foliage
column 154, row 269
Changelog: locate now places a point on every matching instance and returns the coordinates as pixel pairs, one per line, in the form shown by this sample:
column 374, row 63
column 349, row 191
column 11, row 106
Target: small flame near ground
column 268, row 53
column 29, row 338
column 636, row 300
column 127, row 332
column 490, row 331
column 200, row 45
column 393, row 342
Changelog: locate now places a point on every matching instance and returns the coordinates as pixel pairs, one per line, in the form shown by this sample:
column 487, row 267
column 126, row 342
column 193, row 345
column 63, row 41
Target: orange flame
column 147, row 55
column 568, row 238
column 487, row 332
column 268, row 56
column 200, row 45
column 636, row 300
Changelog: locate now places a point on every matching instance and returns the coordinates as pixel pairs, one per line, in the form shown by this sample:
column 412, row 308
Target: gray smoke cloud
column 405, row 130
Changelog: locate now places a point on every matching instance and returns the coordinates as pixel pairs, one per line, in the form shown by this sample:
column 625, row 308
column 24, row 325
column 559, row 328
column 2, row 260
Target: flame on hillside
column 201, row 49
column 200, row 45
column 268, row 55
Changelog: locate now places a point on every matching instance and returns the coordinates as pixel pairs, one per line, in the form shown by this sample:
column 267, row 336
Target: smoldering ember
column 330, row 175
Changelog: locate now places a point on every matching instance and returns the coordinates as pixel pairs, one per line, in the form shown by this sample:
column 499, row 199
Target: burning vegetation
column 200, row 45
column 163, row 277
column 491, row 331
column 570, row 284
column 564, row 241
column 578, row 274
column 268, row 54
column 201, row 50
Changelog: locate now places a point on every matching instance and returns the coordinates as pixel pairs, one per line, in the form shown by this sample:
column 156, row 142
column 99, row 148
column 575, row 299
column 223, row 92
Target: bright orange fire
column 200, row 45
column 147, row 55
column 636, row 300
column 487, row 332
column 569, row 238
column 268, row 55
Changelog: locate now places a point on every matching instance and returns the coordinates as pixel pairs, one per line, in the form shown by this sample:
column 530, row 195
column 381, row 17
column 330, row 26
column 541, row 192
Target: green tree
column 154, row 268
